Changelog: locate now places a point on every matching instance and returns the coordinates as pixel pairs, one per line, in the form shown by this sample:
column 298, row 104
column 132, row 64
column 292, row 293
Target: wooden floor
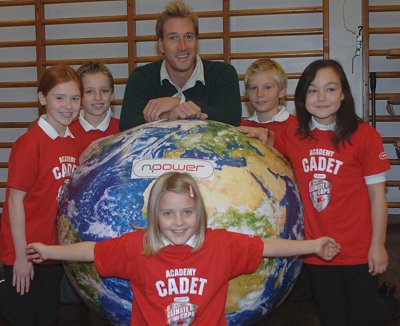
column 288, row 314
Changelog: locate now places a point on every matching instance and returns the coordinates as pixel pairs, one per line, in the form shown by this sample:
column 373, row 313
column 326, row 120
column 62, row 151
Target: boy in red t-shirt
column 266, row 83
column 96, row 117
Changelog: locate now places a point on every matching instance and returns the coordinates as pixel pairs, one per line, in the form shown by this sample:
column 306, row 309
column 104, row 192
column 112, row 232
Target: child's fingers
column 27, row 284
column 371, row 267
column 241, row 129
column 375, row 267
column 331, row 248
column 333, row 243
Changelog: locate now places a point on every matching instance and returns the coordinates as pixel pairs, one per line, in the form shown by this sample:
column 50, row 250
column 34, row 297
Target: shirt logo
column 383, row 156
column 181, row 312
column 320, row 193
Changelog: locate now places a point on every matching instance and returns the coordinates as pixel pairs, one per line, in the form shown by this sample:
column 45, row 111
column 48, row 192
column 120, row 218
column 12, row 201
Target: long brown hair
column 346, row 117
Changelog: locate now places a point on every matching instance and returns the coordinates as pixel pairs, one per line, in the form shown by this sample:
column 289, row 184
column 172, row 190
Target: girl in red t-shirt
column 340, row 166
column 177, row 252
column 40, row 162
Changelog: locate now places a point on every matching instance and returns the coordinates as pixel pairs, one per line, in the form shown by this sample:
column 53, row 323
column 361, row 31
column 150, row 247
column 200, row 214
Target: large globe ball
column 247, row 188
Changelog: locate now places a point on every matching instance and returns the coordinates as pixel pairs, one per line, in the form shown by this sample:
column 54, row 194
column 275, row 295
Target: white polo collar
column 49, row 130
column 315, row 125
column 281, row 116
column 102, row 126
column 197, row 75
column 190, row 242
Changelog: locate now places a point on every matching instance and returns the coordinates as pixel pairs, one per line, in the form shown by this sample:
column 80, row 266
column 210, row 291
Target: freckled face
column 177, row 217
column 62, row 103
column 324, row 96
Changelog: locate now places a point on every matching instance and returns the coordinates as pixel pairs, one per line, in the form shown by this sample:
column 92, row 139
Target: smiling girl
column 40, row 162
column 340, row 166
column 177, row 260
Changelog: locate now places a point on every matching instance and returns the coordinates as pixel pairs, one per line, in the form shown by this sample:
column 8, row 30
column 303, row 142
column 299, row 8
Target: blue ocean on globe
column 247, row 187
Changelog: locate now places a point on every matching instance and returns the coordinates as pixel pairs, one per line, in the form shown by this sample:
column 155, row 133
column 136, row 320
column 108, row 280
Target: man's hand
column 186, row 110
column 156, row 107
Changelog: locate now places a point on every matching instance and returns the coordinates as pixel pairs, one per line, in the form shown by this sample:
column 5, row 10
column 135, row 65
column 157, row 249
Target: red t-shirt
column 333, row 189
column 38, row 165
column 274, row 126
column 85, row 138
column 176, row 284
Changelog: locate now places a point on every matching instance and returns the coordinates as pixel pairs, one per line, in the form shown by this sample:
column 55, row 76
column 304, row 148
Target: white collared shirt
column 314, row 124
column 49, row 129
column 190, row 242
column 369, row 179
column 102, row 126
column 197, row 75
column 281, row 116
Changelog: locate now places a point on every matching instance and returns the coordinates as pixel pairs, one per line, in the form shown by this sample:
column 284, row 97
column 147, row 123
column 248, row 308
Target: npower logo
column 153, row 168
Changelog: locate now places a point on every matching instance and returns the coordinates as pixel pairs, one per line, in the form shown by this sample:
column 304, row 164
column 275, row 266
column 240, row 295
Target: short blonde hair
column 179, row 183
column 176, row 9
column 268, row 66
column 93, row 67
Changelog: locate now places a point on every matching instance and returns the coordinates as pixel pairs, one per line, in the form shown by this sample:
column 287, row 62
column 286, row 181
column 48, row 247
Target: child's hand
column 255, row 132
column 92, row 148
column 378, row 259
column 36, row 252
column 327, row 248
column 22, row 275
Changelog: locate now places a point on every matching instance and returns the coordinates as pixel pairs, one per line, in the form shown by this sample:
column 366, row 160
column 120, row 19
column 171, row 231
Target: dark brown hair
column 346, row 117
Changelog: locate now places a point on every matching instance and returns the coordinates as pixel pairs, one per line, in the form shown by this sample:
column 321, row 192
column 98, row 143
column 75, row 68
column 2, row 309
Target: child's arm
column 263, row 134
column 324, row 247
column 377, row 255
column 22, row 268
column 93, row 147
column 80, row 252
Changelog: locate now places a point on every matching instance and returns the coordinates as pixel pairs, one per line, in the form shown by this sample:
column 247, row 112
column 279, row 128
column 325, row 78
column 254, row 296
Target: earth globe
column 247, row 187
